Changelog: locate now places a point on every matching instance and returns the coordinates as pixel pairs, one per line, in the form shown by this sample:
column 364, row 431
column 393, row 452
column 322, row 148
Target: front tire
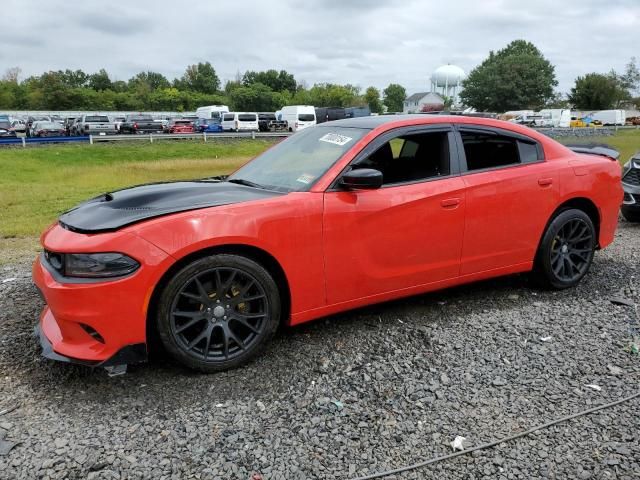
column 218, row 312
column 566, row 251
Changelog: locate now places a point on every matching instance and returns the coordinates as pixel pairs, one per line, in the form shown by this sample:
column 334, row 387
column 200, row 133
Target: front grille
column 632, row 177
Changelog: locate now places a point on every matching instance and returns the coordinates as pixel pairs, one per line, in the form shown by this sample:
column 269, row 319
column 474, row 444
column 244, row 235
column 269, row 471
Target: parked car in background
column 240, row 121
column 47, row 129
column 191, row 118
column 19, row 127
column 32, row 119
column 298, row 117
column 329, row 114
column 631, row 186
column 212, row 112
column 180, row 126
column 117, row 121
column 94, row 125
column 68, row 124
column 610, row 117
column 140, row 123
column 6, row 130
column 268, row 122
column 355, row 112
column 207, row 125
column 330, row 219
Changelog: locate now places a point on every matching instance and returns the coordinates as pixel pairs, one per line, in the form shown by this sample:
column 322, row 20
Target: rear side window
column 487, row 150
column 229, row 117
column 306, row 117
column 247, row 118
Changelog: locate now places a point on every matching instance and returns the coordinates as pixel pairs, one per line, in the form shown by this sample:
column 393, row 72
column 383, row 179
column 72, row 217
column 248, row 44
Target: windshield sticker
column 305, row 178
column 335, row 139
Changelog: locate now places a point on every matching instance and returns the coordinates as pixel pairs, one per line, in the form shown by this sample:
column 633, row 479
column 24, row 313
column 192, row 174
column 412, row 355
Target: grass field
column 36, row 184
column 627, row 142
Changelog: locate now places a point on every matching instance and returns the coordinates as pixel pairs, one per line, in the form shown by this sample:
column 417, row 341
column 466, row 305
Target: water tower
column 447, row 80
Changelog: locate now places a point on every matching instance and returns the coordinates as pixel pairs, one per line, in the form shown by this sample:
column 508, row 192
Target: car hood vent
column 115, row 210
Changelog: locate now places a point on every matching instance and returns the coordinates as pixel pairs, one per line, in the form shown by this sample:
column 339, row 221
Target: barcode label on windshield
column 335, row 139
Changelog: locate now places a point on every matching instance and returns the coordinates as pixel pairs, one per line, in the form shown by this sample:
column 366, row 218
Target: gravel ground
column 355, row 394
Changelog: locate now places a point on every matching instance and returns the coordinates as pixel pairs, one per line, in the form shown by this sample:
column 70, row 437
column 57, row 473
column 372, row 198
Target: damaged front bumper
column 128, row 355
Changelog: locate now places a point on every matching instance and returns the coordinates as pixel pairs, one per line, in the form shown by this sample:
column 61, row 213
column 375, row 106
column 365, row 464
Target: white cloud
column 364, row 42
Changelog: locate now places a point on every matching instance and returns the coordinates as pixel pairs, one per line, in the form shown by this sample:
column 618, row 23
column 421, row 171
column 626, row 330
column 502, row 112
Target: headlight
column 98, row 265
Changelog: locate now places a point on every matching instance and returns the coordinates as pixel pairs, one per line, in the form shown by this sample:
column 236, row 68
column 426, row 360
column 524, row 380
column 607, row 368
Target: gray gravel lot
column 354, row 394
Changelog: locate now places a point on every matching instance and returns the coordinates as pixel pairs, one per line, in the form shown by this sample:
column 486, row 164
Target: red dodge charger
column 338, row 216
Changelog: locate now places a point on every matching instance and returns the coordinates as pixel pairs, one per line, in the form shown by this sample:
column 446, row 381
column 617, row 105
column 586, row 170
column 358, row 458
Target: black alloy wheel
column 218, row 312
column 571, row 250
column 567, row 249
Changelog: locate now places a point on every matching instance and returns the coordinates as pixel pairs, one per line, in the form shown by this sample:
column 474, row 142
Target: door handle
column 545, row 182
column 450, row 202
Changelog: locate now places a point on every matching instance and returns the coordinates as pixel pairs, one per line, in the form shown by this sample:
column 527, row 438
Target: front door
column 406, row 233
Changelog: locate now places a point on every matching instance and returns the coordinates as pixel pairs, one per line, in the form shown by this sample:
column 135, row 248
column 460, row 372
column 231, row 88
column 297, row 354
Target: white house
column 423, row 101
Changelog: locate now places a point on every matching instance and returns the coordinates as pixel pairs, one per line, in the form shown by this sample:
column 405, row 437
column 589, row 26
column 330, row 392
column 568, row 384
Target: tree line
column 199, row 85
column 519, row 77
column 514, row 78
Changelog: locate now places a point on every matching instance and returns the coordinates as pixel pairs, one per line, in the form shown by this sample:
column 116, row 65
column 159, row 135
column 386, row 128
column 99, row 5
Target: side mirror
column 362, row 179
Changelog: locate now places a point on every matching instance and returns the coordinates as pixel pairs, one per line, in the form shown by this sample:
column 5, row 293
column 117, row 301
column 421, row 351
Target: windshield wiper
column 248, row 183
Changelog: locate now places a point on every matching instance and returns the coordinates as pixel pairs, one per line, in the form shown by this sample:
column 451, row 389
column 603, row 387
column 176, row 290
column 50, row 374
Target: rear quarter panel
column 598, row 179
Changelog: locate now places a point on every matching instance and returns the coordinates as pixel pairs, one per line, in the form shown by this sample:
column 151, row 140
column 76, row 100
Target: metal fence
column 150, row 138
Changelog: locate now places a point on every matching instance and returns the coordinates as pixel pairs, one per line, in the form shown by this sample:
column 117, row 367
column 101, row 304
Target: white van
column 555, row 117
column 299, row 116
column 240, row 121
column 212, row 111
column 610, row 117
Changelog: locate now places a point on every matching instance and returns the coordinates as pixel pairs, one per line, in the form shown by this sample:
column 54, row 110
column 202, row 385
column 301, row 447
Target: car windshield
column 297, row 162
column 96, row 118
column 4, row 124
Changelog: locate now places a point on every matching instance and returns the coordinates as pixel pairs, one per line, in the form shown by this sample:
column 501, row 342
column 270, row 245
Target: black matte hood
column 111, row 211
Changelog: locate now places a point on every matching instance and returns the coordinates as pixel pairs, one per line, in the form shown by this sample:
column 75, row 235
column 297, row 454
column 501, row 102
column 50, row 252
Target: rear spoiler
column 595, row 149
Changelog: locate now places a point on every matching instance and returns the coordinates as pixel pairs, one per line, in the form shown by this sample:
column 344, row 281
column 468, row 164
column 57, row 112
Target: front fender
column 289, row 228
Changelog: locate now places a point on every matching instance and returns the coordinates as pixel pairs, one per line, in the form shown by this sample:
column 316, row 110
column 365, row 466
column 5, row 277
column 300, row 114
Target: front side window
column 229, row 117
column 411, row 158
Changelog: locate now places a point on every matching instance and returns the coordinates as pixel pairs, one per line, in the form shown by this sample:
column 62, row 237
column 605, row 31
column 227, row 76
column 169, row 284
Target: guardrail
column 93, row 139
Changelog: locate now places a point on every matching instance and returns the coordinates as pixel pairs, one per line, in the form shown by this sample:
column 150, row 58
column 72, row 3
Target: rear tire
column 218, row 312
column 566, row 251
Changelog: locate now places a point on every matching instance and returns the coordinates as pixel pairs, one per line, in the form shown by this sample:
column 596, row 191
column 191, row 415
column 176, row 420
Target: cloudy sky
column 364, row 42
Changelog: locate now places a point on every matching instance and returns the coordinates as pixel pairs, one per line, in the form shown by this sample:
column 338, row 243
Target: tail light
column 236, row 124
column 296, row 124
column 135, row 125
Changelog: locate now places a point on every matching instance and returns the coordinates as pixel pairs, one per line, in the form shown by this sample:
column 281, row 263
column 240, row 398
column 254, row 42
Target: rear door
column 405, row 234
column 511, row 192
